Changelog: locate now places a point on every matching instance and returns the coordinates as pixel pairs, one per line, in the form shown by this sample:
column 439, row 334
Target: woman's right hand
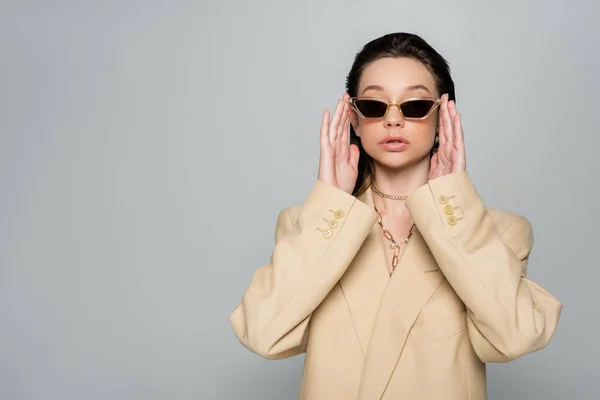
column 338, row 163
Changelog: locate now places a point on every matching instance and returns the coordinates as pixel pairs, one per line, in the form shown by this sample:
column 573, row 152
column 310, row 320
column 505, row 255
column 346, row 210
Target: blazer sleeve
column 508, row 315
column 312, row 251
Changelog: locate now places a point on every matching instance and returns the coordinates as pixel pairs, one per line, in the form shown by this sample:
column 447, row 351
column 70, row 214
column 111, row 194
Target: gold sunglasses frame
column 435, row 105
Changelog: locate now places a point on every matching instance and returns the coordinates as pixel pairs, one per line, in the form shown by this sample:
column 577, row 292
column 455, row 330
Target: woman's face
column 396, row 79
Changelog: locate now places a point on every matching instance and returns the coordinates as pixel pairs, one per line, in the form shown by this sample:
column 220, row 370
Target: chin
column 399, row 160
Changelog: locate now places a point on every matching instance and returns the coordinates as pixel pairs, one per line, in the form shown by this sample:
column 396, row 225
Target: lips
column 394, row 146
column 394, row 143
column 394, row 139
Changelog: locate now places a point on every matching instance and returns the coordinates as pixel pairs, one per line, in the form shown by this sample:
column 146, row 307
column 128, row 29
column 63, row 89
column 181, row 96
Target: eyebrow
column 413, row 87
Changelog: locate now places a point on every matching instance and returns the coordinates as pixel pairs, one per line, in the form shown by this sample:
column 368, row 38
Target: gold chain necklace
column 388, row 196
column 394, row 245
column 388, row 235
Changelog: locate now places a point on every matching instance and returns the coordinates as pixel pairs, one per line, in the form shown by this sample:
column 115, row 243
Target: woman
column 393, row 276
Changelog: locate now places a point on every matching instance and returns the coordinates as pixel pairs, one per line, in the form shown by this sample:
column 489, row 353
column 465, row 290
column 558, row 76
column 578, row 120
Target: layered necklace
column 394, row 245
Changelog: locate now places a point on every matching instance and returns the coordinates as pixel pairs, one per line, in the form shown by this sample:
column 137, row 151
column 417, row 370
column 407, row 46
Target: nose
column 393, row 117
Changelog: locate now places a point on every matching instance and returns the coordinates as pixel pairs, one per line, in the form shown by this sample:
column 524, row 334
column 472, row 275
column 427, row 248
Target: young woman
column 393, row 276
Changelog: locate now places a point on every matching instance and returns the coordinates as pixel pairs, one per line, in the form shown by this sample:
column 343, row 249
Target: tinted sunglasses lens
column 416, row 108
column 371, row 108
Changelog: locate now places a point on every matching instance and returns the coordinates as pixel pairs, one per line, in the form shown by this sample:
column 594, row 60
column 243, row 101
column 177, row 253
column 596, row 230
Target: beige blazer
column 459, row 297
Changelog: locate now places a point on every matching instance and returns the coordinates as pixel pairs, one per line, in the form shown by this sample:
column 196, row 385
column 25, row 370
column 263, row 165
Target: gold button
column 452, row 220
column 333, row 224
column 449, row 209
column 339, row 214
column 443, row 199
column 327, row 233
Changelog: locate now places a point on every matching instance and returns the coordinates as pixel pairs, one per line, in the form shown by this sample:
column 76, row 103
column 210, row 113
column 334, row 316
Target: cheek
column 421, row 134
column 370, row 135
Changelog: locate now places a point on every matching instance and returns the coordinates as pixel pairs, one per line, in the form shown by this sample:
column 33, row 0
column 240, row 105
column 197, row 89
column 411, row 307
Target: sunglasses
column 413, row 108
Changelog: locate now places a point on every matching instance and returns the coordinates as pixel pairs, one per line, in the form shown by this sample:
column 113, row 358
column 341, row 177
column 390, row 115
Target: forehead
column 396, row 74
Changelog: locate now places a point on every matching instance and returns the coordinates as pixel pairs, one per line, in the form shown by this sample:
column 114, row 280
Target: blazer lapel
column 415, row 279
column 365, row 281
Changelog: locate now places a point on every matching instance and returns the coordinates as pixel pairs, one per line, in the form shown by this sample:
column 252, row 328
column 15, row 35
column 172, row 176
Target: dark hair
column 395, row 45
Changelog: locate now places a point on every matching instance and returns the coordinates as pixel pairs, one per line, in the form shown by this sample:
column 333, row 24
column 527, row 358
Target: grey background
column 146, row 148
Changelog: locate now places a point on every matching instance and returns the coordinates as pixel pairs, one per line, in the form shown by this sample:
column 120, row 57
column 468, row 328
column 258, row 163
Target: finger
column 343, row 117
column 333, row 127
column 344, row 136
column 447, row 121
column 354, row 155
column 325, row 129
column 459, row 141
column 343, row 122
column 441, row 130
column 347, row 115
column 452, row 109
column 340, row 150
column 452, row 114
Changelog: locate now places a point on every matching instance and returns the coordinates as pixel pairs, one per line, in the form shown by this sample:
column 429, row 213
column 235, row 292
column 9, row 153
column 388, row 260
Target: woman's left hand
column 450, row 156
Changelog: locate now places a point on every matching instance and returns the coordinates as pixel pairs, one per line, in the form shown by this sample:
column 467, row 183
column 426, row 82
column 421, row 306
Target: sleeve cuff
column 451, row 198
column 327, row 208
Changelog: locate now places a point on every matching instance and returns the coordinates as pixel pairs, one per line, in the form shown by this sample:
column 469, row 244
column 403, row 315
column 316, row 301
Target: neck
column 398, row 182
